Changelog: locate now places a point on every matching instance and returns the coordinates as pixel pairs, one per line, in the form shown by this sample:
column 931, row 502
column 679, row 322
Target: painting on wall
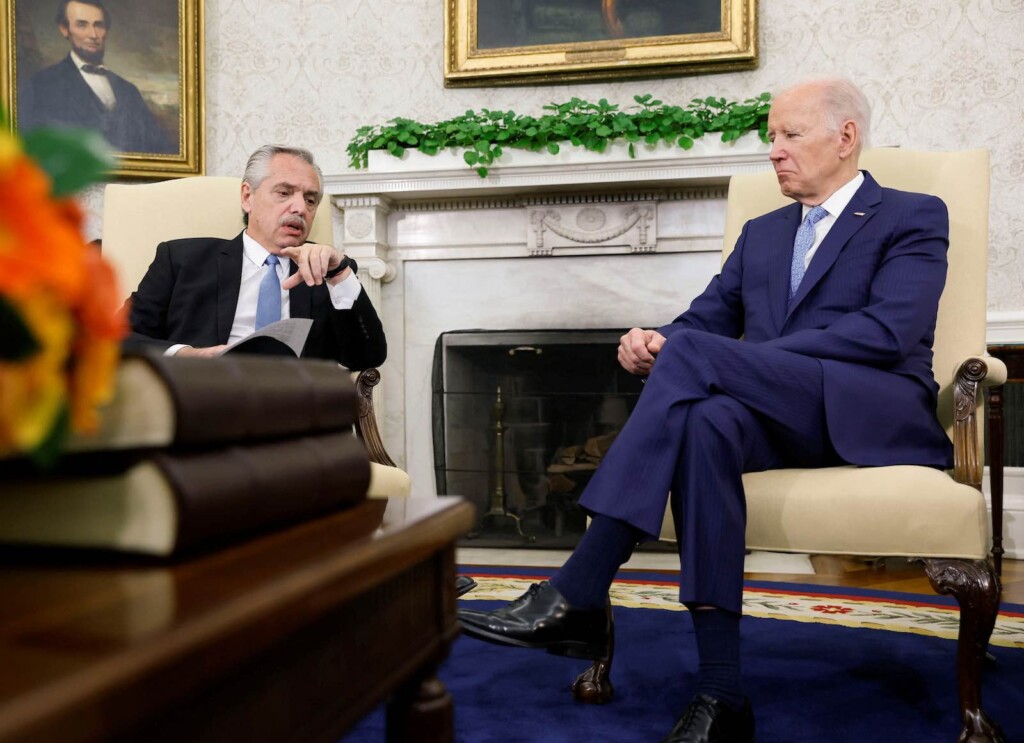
column 131, row 71
column 515, row 42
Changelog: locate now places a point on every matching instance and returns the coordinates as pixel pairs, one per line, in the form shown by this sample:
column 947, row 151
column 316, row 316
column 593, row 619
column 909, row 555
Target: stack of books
column 196, row 452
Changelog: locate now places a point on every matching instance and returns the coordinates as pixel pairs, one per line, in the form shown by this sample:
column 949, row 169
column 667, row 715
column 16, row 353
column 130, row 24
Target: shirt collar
column 79, row 62
column 256, row 253
column 835, row 203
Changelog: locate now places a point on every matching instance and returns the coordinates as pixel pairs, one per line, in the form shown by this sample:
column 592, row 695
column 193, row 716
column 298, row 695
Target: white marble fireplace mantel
column 573, row 240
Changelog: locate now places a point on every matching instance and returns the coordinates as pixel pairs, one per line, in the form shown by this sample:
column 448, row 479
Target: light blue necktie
column 268, row 305
column 804, row 241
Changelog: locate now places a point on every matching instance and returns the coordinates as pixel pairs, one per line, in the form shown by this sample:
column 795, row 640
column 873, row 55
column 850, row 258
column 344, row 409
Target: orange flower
column 66, row 295
column 40, row 247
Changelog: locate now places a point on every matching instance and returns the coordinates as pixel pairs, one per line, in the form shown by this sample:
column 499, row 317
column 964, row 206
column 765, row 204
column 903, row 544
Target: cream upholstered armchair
column 918, row 512
column 136, row 218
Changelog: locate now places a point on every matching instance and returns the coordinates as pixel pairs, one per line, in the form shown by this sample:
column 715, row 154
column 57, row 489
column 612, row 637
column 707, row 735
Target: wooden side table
column 1011, row 354
column 290, row 636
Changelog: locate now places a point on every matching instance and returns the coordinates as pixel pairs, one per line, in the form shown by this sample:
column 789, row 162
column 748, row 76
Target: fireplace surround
column 580, row 241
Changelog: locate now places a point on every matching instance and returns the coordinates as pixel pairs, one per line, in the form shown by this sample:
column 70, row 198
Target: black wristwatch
column 346, row 262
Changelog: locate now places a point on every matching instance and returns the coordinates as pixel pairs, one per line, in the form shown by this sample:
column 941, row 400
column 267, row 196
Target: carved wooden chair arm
column 366, row 426
column 973, row 374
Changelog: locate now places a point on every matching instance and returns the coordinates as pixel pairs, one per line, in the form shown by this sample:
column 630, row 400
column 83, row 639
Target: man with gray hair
column 811, row 348
column 201, row 294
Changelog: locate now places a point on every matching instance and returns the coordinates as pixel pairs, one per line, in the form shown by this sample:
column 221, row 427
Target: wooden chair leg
column 976, row 588
column 594, row 686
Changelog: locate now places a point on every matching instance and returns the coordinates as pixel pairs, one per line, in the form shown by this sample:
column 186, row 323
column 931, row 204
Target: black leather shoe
column 463, row 584
column 708, row 720
column 542, row 618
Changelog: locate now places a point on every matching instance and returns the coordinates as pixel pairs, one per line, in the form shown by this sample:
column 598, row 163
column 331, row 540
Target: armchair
column 136, row 218
column 936, row 517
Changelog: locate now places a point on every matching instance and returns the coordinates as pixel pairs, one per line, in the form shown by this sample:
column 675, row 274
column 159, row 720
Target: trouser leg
column 782, row 389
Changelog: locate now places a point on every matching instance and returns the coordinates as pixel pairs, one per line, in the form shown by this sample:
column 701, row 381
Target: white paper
column 292, row 332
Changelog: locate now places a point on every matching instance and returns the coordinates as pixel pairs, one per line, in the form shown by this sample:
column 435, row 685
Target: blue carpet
column 808, row 682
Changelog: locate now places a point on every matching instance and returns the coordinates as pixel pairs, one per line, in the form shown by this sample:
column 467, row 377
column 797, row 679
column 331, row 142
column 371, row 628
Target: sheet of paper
column 292, row 332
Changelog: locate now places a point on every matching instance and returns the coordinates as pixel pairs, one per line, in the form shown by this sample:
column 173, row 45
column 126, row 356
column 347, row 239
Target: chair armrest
column 972, row 375
column 366, row 426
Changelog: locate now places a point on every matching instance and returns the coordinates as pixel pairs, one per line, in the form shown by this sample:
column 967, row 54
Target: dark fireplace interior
column 521, row 420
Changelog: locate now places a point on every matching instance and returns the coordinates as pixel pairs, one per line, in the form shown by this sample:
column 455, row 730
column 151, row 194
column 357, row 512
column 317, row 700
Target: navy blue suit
column 840, row 373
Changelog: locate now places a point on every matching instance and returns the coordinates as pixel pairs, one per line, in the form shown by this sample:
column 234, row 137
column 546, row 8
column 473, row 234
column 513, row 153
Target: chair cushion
column 387, row 482
column 876, row 511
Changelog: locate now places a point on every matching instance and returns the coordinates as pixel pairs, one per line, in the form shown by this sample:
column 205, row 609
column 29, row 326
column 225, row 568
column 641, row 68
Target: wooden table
column 291, row 636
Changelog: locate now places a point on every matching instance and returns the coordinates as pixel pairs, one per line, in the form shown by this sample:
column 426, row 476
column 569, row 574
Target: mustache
column 292, row 220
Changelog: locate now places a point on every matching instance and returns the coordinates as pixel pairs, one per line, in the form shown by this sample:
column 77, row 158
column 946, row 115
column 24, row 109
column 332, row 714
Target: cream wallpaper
column 943, row 74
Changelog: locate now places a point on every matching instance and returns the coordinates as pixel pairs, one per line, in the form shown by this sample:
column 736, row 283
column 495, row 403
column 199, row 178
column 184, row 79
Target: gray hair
column 844, row 101
column 258, row 168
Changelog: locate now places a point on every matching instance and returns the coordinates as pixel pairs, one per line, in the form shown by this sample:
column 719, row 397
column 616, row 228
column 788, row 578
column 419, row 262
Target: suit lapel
column 229, row 281
column 780, row 257
column 857, row 213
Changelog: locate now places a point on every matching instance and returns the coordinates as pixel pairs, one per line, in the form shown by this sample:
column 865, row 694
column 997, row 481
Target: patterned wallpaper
column 942, row 74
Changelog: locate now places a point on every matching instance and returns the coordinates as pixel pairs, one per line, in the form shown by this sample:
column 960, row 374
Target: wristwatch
column 346, row 262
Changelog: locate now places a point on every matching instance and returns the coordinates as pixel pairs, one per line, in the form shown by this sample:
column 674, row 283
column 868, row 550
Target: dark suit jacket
column 59, row 97
column 866, row 308
column 190, row 292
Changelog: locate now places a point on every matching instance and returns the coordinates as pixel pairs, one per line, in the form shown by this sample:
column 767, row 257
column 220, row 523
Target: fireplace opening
column 521, row 420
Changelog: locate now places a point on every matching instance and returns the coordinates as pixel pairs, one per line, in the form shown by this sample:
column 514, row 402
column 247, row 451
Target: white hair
column 843, row 101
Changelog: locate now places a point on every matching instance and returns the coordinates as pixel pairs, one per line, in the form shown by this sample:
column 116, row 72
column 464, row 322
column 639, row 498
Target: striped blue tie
column 268, row 305
column 804, row 241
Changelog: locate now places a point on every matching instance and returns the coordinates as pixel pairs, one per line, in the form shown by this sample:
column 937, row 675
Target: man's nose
column 776, row 153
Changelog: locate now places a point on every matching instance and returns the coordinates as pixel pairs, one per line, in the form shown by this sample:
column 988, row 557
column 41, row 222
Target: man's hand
column 637, row 350
column 202, row 353
column 314, row 260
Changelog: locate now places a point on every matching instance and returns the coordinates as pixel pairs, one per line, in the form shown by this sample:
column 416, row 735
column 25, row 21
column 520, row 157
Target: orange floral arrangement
column 60, row 327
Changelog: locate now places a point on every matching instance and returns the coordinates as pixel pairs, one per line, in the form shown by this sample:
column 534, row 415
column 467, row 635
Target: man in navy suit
column 200, row 294
column 812, row 347
column 79, row 91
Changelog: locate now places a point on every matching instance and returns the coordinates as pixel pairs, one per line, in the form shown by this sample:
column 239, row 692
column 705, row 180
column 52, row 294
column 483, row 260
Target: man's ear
column 246, row 197
column 849, row 137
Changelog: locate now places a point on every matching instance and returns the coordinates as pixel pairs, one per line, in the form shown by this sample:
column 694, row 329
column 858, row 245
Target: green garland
column 485, row 135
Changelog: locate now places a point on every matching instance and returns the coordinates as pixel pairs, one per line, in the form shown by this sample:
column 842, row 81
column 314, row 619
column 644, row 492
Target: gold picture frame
column 516, row 42
column 151, row 55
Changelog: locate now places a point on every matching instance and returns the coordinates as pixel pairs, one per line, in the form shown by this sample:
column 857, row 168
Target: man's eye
column 311, row 202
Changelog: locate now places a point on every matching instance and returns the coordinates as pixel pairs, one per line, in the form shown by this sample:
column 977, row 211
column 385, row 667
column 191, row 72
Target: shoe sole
column 565, row 648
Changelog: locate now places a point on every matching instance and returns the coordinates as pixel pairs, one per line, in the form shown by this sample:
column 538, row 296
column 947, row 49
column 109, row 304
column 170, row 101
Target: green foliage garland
column 593, row 126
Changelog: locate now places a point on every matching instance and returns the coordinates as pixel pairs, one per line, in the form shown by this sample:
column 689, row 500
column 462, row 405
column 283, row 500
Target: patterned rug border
column 856, row 608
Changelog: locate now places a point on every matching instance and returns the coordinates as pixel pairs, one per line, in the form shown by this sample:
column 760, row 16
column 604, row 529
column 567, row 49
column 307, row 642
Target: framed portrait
column 133, row 71
column 515, row 42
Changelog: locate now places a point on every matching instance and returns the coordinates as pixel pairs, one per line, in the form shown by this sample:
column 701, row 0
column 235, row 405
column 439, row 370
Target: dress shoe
column 463, row 584
column 542, row 618
column 708, row 720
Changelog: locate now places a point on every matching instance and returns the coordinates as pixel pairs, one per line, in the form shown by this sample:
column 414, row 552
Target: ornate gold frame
column 735, row 47
column 191, row 156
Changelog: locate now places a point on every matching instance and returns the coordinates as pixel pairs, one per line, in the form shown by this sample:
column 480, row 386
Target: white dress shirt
column 834, row 205
column 100, row 84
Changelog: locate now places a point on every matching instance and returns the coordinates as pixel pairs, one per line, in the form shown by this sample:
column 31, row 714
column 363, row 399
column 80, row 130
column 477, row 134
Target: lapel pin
column 858, row 214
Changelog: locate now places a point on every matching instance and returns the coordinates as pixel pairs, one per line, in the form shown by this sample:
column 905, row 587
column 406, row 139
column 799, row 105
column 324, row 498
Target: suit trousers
column 712, row 408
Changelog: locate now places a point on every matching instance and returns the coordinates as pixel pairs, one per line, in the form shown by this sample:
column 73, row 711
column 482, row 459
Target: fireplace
column 545, row 243
column 521, row 420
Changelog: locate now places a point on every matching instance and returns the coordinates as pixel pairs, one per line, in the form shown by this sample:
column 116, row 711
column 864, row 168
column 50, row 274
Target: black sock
column 718, row 648
column 585, row 577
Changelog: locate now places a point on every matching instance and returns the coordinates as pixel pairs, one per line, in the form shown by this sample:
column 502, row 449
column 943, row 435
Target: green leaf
column 482, row 172
column 45, row 455
column 553, row 148
column 471, row 157
column 73, row 158
column 17, row 342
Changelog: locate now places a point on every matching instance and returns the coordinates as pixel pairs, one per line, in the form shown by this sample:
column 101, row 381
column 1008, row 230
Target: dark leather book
column 170, row 502
column 170, row 401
